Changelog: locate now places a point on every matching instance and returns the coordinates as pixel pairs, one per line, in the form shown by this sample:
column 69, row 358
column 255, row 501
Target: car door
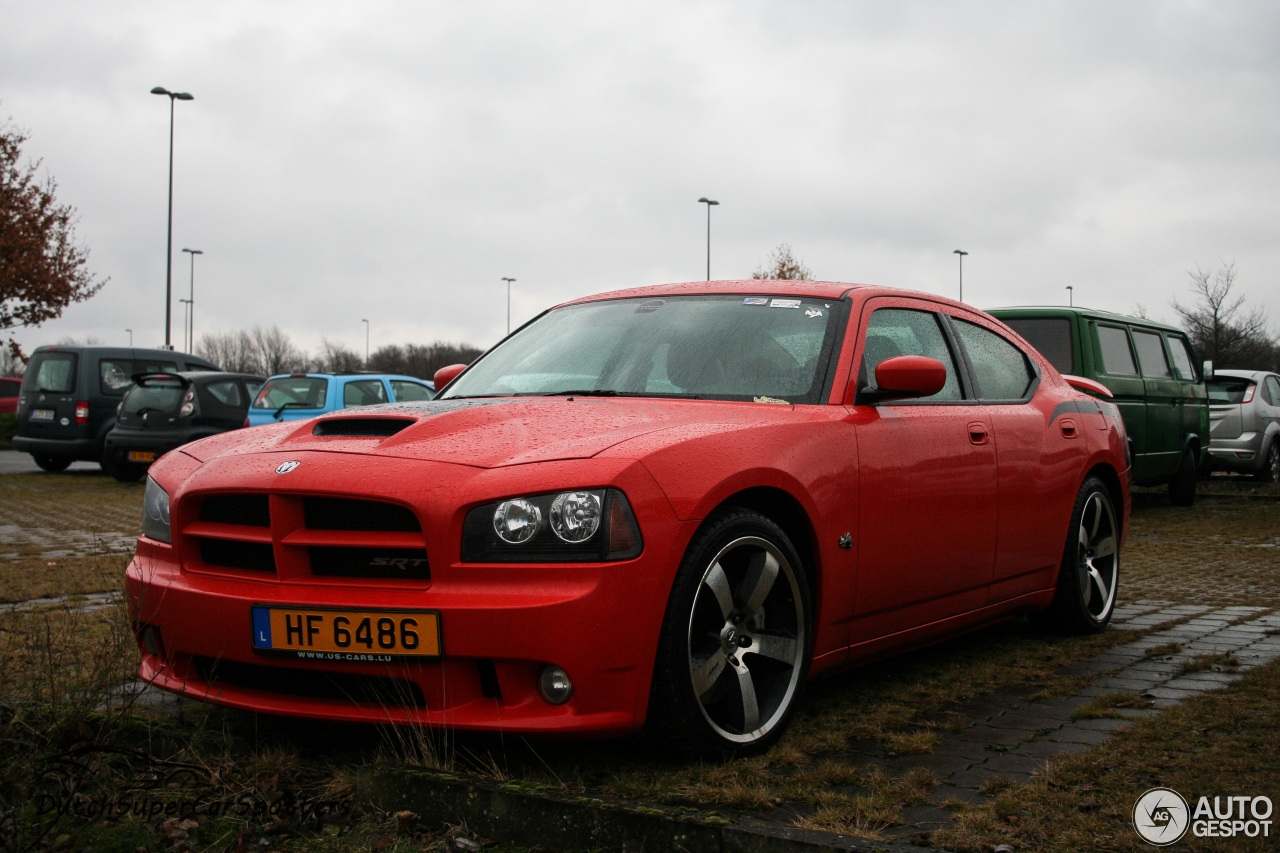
column 926, row 482
column 1164, row 408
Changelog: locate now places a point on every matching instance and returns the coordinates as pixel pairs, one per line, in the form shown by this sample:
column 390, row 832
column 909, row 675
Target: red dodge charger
column 668, row 504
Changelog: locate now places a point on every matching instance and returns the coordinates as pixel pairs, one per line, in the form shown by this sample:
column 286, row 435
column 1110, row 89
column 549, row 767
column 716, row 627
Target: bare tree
column 233, row 351
column 335, row 358
column 783, row 265
column 1221, row 328
column 276, row 352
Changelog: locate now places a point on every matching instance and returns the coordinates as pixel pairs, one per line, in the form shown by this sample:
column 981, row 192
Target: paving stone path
column 1010, row 737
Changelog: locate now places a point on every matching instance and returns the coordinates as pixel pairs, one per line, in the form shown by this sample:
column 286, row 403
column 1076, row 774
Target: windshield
column 700, row 347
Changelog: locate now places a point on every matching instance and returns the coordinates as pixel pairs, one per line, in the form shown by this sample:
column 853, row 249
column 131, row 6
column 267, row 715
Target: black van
column 69, row 394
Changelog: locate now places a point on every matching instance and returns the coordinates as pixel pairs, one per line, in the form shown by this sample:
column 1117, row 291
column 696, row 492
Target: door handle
column 978, row 433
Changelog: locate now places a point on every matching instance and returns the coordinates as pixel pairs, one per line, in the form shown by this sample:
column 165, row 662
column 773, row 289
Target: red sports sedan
column 668, row 505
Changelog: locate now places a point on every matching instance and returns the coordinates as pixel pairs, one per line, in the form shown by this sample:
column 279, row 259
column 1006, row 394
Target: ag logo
column 1161, row 816
column 286, row 467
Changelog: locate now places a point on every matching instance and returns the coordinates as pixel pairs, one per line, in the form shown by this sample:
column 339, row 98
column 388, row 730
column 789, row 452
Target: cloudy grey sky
column 394, row 160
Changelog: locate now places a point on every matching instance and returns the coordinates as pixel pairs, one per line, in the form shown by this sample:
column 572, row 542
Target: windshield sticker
column 772, row 400
column 813, row 312
column 755, row 300
column 785, row 303
column 650, row 306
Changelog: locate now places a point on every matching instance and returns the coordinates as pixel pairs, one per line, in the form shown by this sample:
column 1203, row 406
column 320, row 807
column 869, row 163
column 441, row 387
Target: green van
column 1150, row 369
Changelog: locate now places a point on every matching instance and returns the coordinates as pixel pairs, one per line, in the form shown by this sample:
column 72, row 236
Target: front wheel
column 1090, row 571
column 734, row 648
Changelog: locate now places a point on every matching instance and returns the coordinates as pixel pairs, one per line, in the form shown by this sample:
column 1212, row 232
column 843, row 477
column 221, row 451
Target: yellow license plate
column 346, row 635
column 142, row 456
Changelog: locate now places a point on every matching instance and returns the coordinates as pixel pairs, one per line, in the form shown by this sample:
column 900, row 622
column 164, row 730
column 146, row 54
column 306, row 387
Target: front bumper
column 500, row 625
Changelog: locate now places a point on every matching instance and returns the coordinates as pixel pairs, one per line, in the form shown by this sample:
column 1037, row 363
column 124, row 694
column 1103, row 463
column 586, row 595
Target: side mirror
column 904, row 377
column 445, row 375
column 1207, row 371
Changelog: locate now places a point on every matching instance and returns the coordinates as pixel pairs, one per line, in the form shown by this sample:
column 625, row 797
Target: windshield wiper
column 290, row 405
column 582, row 392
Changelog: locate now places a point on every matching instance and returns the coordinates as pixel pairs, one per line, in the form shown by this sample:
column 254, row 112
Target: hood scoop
column 361, row 427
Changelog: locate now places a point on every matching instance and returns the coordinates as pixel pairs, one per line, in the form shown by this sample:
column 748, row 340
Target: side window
column 1151, row 355
column 1117, row 358
column 1181, row 358
column 227, row 393
column 1273, row 391
column 899, row 331
column 1002, row 370
column 1050, row 335
column 363, row 392
column 408, row 391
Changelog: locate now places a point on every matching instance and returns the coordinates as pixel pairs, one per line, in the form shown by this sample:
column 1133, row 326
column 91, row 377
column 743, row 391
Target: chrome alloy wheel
column 746, row 640
column 1098, row 555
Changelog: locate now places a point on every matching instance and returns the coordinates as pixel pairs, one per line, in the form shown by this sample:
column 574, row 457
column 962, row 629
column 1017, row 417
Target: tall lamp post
column 961, row 254
column 508, row 281
column 130, row 331
column 168, row 258
column 186, row 312
column 1071, row 296
column 192, row 293
column 366, row 343
column 709, row 203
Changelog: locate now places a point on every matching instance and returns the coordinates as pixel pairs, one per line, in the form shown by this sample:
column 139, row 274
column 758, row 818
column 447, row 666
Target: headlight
column 155, row 512
column 575, row 526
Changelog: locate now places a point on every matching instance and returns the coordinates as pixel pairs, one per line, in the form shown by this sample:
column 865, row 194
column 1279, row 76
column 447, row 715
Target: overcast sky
column 394, row 161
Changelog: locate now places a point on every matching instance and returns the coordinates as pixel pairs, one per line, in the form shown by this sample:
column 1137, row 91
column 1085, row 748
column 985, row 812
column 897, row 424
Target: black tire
column 736, row 639
column 124, row 472
column 1182, row 488
column 1270, row 472
column 52, row 464
column 1090, row 570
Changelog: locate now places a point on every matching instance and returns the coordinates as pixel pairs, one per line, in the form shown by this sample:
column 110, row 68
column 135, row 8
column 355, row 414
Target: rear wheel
column 734, row 648
column 1090, row 571
column 52, row 464
column 1182, row 488
column 1270, row 472
column 125, row 472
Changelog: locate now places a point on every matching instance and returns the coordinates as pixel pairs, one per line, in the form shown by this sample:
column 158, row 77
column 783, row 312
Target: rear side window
column 51, row 373
column 1181, row 358
column 1051, row 336
column 292, row 392
column 897, row 331
column 227, row 393
column 409, row 391
column 1151, row 355
column 1002, row 370
column 1117, row 358
column 363, row 392
column 1272, row 394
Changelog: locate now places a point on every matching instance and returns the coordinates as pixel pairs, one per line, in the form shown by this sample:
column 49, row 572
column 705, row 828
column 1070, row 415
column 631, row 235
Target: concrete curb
column 513, row 814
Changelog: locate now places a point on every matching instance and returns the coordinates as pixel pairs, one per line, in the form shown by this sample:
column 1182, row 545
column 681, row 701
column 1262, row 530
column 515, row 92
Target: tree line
column 269, row 351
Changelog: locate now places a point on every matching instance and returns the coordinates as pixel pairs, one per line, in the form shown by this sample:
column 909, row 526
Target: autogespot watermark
column 1162, row 817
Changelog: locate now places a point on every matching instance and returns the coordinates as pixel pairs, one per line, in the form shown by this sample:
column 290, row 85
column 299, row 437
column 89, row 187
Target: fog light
column 554, row 685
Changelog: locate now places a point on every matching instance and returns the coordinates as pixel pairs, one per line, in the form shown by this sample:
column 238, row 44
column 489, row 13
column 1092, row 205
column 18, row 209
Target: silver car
column 1244, row 413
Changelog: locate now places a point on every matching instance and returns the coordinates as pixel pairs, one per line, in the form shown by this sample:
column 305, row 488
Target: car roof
column 1018, row 311
column 766, row 287
column 352, row 375
column 1241, row 374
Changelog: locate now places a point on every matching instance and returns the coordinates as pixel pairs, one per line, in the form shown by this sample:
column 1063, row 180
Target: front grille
column 293, row 536
column 315, row 684
column 351, row 514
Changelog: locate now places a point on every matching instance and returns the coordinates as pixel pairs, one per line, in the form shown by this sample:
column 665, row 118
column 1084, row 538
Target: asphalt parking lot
column 13, row 462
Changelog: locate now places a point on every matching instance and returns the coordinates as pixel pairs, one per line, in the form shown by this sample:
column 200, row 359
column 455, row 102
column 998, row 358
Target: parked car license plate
column 346, row 635
column 41, row 414
column 142, row 456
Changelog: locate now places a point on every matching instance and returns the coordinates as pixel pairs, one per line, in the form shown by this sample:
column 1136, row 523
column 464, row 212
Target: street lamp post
column 130, row 331
column 1071, row 296
column 961, row 254
column 366, row 343
column 508, row 281
column 186, row 311
column 192, row 294
column 708, row 202
column 168, row 258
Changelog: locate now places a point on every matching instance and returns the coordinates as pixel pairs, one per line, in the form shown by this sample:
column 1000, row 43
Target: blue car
column 297, row 396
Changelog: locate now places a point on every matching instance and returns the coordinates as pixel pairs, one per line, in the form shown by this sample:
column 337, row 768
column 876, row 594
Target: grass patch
column 1214, row 744
column 1111, row 706
column 1162, row 650
column 1217, row 663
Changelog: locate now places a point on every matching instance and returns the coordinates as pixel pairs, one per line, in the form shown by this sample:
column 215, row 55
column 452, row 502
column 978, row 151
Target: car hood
column 486, row 433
